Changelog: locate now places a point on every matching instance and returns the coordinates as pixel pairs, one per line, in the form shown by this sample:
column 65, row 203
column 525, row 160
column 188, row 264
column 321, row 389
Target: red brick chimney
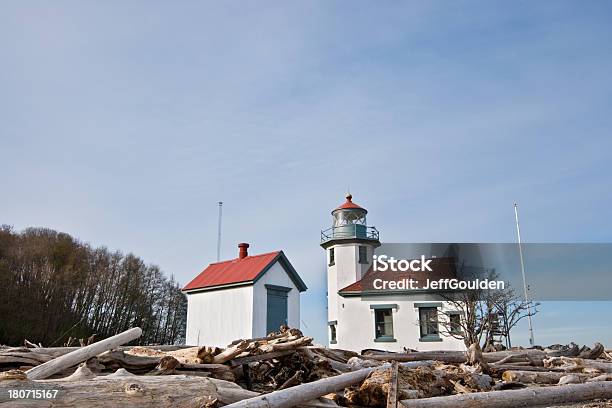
column 243, row 250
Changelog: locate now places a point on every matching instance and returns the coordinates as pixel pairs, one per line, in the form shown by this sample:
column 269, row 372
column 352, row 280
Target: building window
column 363, row 254
column 383, row 324
column 455, row 322
column 332, row 334
column 332, row 260
column 428, row 320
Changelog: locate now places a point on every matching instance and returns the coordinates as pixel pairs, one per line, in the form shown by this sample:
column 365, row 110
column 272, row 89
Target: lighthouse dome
column 349, row 213
column 349, row 224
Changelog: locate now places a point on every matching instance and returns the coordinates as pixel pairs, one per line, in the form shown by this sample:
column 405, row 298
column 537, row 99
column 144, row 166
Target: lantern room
column 349, row 222
column 349, row 213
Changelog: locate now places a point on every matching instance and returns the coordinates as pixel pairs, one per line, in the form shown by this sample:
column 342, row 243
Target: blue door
column 276, row 310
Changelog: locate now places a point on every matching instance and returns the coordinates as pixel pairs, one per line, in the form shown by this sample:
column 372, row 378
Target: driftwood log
column 535, row 377
column 44, row 354
column 259, row 357
column 392, row 394
column 530, row 356
column 527, row 397
column 578, row 364
column 303, row 393
column 169, row 365
column 230, row 352
column 75, row 357
column 290, row 345
column 123, row 389
column 450, row 357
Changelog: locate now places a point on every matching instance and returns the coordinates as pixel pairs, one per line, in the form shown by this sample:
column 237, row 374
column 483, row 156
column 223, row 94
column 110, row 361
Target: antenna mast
column 525, row 291
column 219, row 231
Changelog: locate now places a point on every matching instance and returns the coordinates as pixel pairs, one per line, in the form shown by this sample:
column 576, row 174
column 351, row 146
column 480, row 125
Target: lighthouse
column 349, row 245
column 359, row 317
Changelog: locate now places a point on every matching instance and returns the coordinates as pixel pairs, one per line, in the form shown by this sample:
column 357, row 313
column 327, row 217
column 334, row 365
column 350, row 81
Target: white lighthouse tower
column 349, row 245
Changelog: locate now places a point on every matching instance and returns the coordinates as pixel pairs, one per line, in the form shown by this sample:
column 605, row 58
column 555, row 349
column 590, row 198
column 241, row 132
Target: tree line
column 54, row 287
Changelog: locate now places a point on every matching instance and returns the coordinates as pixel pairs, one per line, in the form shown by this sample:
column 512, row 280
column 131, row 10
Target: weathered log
column 341, row 356
column 500, row 369
column 356, row 363
column 535, row 360
column 283, row 335
column 169, row 365
column 392, row 395
column 531, row 356
column 535, row 377
column 271, row 337
column 68, row 360
column 54, row 352
column 446, row 357
column 295, row 379
column 593, row 353
column 314, row 355
column 230, row 353
column 290, row 345
column 570, row 379
column 572, row 351
column 20, row 358
column 309, row 391
column 120, row 359
column 602, row 377
column 578, row 364
column 527, row 397
column 259, row 357
column 127, row 390
column 188, row 355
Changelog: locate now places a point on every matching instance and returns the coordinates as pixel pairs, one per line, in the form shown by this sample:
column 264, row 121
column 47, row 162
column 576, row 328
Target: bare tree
column 476, row 316
column 511, row 309
column 53, row 287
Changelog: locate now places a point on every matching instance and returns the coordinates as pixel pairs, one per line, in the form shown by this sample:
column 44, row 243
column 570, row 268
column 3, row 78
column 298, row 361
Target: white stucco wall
column 276, row 275
column 216, row 318
column 345, row 271
column 355, row 329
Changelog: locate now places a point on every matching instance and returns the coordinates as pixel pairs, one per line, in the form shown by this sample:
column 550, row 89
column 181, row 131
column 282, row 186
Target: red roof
column 349, row 204
column 242, row 271
column 232, row 271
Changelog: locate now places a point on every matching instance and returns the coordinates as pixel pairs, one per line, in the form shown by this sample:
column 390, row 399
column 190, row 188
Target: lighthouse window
column 428, row 319
column 363, row 255
column 332, row 260
column 383, row 322
column 332, row 333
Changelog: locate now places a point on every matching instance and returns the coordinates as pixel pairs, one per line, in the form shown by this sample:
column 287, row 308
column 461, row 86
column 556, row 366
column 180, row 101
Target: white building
column 359, row 318
column 246, row 297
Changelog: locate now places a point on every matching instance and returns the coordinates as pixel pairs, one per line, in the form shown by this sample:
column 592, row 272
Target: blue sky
column 123, row 123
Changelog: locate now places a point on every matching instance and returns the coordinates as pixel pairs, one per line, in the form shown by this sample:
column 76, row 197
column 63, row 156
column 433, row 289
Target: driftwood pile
column 285, row 370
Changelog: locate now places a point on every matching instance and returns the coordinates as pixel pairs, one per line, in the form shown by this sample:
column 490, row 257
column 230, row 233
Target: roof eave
column 217, row 287
column 289, row 269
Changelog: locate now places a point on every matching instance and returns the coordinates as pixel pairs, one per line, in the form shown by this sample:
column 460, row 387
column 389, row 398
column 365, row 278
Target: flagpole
column 525, row 291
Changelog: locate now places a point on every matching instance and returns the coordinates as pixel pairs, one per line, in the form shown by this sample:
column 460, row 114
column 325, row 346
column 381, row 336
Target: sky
column 124, row 123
